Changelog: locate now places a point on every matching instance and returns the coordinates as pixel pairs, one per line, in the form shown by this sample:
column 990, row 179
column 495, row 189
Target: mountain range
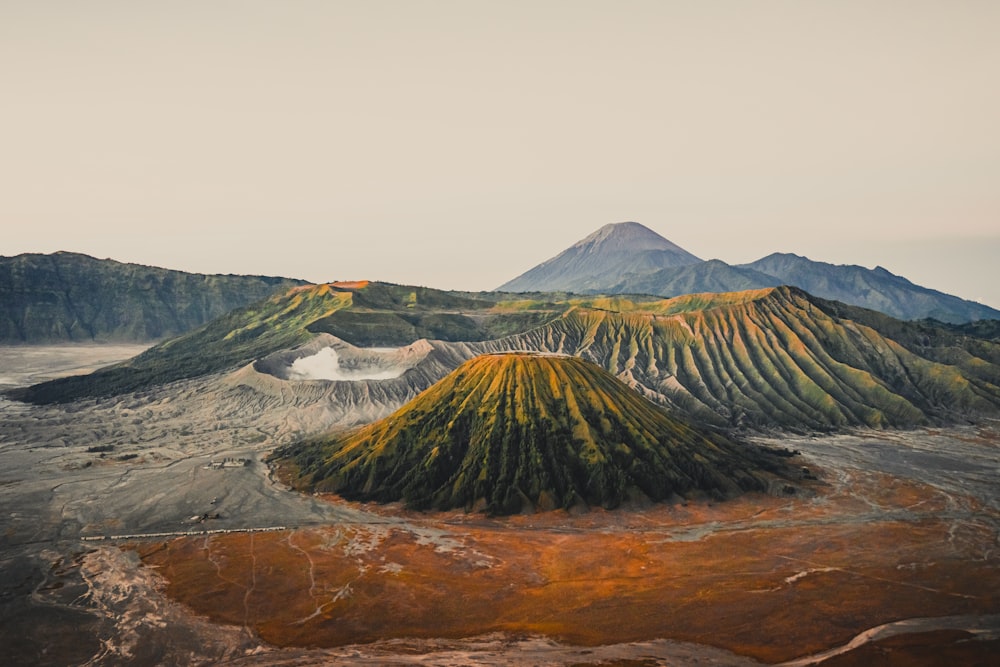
column 69, row 297
column 72, row 297
column 628, row 258
column 771, row 358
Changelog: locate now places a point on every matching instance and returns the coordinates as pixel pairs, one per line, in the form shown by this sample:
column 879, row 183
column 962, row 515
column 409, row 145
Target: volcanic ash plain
column 146, row 529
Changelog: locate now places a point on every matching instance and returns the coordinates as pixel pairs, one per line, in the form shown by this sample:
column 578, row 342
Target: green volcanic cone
column 506, row 432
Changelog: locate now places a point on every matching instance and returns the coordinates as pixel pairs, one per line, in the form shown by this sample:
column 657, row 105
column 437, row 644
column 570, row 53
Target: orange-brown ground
column 771, row 578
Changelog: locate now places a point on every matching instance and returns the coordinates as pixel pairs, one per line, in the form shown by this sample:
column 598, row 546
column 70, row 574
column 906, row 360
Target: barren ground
column 137, row 555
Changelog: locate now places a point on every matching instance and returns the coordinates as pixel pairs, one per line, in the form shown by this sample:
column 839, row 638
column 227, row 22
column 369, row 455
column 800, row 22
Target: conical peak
column 628, row 228
column 501, row 361
column 508, row 432
column 627, row 237
column 521, row 381
column 598, row 261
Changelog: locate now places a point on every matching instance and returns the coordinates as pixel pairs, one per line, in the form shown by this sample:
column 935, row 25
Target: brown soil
column 770, row 578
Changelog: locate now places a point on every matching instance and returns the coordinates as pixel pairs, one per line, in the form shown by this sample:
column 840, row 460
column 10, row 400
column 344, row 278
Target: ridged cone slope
column 780, row 357
column 505, row 432
column 774, row 357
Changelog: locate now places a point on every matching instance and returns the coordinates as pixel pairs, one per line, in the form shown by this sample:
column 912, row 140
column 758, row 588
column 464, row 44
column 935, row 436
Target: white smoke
column 325, row 365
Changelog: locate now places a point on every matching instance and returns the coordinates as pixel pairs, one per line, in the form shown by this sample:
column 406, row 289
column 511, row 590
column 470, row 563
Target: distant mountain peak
column 598, row 261
column 628, row 236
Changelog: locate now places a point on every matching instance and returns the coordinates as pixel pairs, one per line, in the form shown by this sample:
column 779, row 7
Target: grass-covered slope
column 774, row 357
column 508, row 431
column 383, row 314
column 875, row 289
column 779, row 357
column 229, row 341
column 72, row 297
column 628, row 258
column 362, row 313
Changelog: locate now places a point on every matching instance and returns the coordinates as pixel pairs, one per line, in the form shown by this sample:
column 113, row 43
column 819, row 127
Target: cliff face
column 71, row 297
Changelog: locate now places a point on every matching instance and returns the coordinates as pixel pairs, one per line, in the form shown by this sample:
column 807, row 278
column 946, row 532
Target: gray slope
column 877, row 289
column 599, row 261
column 628, row 258
column 711, row 276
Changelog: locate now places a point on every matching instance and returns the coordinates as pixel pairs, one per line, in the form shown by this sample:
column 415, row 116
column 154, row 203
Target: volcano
column 629, row 258
column 601, row 259
column 509, row 432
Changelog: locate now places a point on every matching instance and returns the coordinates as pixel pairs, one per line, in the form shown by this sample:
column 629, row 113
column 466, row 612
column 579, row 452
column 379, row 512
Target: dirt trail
column 981, row 627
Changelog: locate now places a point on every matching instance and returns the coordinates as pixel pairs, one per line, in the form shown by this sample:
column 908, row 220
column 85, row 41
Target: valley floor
column 150, row 549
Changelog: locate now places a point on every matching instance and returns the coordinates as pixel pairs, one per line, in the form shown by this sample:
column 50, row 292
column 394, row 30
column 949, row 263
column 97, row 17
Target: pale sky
column 457, row 144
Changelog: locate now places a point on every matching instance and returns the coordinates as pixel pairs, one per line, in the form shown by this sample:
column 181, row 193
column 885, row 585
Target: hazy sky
column 457, row 144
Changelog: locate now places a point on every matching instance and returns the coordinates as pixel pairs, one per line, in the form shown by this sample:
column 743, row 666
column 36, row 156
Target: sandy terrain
column 899, row 525
column 22, row 365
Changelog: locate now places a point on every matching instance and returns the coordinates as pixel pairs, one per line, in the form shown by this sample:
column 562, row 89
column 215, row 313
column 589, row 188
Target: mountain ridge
column 759, row 359
column 877, row 289
column 629, row 272
column 712, row 275
column 73, row 297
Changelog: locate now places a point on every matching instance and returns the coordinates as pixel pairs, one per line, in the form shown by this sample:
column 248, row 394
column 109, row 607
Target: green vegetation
column 383, row 314
column 72, row 297
column 767, row 358
column 985, row 329
column 364, row 314
column 710, row 276
column 234, row 339
column 627, row 258
column 387, row 328
column 780, row 357
column 510, row 431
